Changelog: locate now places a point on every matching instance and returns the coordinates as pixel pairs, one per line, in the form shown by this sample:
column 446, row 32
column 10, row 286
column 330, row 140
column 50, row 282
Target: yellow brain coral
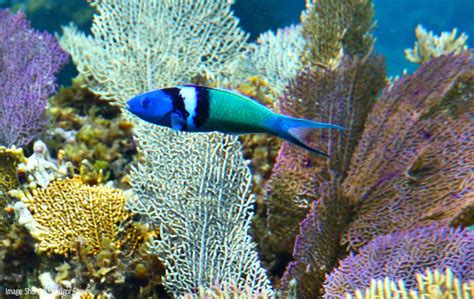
column 69, row 212
column 431, row 285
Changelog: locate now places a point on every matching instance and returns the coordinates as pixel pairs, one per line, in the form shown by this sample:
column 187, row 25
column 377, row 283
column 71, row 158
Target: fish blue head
column 155, row 107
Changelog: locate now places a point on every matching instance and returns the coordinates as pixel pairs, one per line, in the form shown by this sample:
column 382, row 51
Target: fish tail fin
column 297, row 130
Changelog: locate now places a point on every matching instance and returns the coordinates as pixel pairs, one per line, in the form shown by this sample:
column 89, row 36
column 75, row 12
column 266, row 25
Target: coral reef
column 343, row 96
column 90, row 241
column 92, row 134
column 18, row 260
column 225, row 292
column 413, row 165
column 205, row 41
column 316, row 248
column 202, row 206
column 29, row 61
column 40, row 169
column 68, row 211
column 11, row 237
column 430, row 285
column 399, row 256
column 15, row 243
column 260, row 149
column 275, row 57
column 389, row 204
column 411, row 168
column 429, row 45
column 9, row 161
column 115, row 270
column 161, row 181
column 334, row 28
column 338, row 85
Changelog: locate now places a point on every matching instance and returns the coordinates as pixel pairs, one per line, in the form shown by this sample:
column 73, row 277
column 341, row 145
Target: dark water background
column 396, row 20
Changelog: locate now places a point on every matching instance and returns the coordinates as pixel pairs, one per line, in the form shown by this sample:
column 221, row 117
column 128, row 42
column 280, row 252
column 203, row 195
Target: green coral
column 92, row 134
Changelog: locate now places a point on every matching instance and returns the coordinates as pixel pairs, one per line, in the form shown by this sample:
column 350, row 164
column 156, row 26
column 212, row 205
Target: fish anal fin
column 298, row 130
column 301, row 133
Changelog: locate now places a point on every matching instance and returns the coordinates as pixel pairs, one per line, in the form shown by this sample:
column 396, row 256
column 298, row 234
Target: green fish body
column 194, row 108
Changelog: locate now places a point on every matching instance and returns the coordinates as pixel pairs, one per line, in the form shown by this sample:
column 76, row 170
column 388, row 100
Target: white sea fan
column 199, row 196
column 141, row 45
column 194, row 187
column 276, row 56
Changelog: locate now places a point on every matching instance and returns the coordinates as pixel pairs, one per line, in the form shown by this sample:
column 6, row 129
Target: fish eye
column 145, row 102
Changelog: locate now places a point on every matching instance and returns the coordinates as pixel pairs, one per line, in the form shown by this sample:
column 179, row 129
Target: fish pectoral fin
column 177, row 121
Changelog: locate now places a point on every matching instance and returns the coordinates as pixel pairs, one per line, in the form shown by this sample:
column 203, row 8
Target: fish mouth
column 127, row 106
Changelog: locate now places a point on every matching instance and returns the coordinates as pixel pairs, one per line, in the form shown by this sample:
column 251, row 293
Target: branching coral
column 144, row 45
column 316, row 248
column 28, row 62
column 68, row 211
column 399, row 256
column 413, row 165
column 334, row 28
column 225, row 292
column 342, row 96
column 203, row 208
column 430, row 285
column 429, row 45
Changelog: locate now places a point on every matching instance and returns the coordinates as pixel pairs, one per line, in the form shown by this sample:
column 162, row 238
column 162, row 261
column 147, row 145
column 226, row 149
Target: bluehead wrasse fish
column 194, row 108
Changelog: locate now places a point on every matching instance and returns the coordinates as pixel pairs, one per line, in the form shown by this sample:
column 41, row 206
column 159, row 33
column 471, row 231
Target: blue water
column 396, row 21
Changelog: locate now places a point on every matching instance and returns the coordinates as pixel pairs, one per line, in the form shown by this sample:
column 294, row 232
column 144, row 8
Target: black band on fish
column 202, row 107
column 178, row 103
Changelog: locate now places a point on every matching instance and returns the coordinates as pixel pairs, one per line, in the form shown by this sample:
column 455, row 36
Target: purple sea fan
column 341, row 96
column 29, row 61
column 401, row 255
column 316, row 248
column 413, row 164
